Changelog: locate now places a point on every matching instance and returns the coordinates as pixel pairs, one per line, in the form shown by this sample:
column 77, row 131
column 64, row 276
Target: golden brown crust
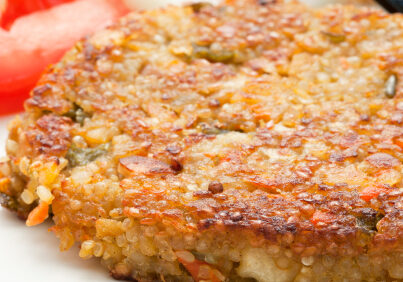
column 50, row 135
column 282, row 220
column 260, row 210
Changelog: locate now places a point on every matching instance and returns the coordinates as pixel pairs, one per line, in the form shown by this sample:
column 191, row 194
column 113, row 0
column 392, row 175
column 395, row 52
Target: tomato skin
column 36, row 40
column 18, row 8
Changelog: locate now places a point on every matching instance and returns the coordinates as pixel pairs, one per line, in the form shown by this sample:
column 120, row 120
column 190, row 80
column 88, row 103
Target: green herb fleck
column 82, row 156
column 211, row 129
column 215, row 56
column 77, row 114
column 196, row 7
column 367, row 218
column 8, row 202
column 334, row 37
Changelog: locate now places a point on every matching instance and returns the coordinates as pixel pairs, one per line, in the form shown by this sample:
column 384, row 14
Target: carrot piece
column 4, row 185
column 399, row 142
column 369, row 193
column 199, row 270
column 38, row 214
column 321, row 217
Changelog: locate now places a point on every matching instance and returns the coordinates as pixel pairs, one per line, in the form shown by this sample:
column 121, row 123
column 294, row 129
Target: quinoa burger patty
column 250, row 141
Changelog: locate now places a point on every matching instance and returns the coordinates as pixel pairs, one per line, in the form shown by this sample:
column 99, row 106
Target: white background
column 32, row 254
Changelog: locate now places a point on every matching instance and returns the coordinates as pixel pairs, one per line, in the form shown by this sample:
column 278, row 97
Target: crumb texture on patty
column 251, row 141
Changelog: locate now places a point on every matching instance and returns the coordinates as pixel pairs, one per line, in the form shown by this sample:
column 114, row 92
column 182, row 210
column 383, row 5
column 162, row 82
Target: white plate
column 32, row 254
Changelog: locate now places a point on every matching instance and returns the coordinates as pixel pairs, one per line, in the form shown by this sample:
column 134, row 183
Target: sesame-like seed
column 86, row 250
column 308, row 261
column 131, row 235
column 235, row 216
column 186, row 256
column 79, row 141
column 75, row 205
column 44, row 194
column 63, row 163
column 122, row 269
column 283, row 262
column 121, row 240
column 27, row 196
column 11, row 147
column 204, row 272
column 214, row 103
column 98, row 249
column 24, row 165
column 273, row 249
column 173, row 149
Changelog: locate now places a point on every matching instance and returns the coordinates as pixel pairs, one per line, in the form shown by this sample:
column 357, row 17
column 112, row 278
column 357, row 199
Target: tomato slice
column 17, row 8
column 41, row 38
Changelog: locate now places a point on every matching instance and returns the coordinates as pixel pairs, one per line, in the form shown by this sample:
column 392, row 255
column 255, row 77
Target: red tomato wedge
column 41, row 38
column 17, row 8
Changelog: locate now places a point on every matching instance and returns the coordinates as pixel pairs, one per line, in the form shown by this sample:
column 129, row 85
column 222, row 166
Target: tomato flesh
column 17, row 8
column 39, row 39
